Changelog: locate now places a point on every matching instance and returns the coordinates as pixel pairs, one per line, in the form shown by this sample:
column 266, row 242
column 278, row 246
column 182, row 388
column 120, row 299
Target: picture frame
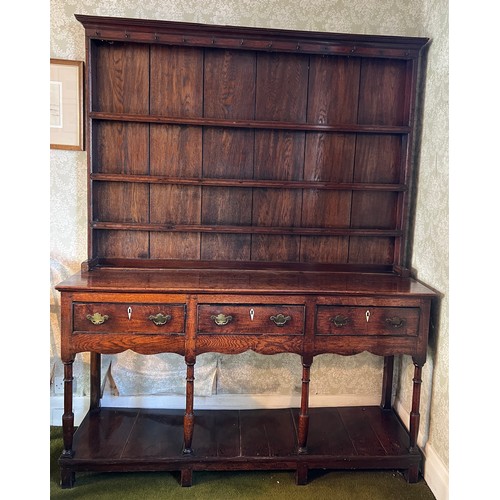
column 66, row 105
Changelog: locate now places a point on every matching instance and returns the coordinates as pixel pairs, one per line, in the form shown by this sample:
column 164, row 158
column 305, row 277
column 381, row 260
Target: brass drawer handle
column 160, row 319
column 395, row 322
column 221, row 319
column 97, row 318
column 280, row 319
column 339, row 321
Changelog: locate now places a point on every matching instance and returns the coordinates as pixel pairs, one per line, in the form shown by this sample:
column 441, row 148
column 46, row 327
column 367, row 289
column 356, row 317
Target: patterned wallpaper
column 249, row 372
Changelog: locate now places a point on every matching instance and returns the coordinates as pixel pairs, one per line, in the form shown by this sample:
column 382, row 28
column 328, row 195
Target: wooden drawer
column 345, row 320
column 102, row 317
column 249, row 319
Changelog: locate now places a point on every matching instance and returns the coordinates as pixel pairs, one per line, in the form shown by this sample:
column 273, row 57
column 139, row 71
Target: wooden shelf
column 207, row 228
column 111, row 439
column 295, row 267
column 248, row 183
column 281, row 144
column 249, row 124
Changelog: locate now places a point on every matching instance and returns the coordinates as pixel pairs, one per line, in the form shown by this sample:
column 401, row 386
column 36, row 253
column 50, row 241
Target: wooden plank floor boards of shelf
column 105, row 434
column 339, row 438
column 356, row 432
column 268, row 433
column 217, row 434
column 156, row 434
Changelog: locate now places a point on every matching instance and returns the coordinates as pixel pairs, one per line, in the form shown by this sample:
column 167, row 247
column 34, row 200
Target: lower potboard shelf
column 138, row 439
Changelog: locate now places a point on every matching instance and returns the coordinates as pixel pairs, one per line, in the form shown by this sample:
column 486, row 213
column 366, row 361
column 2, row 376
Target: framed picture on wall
column 66, row 104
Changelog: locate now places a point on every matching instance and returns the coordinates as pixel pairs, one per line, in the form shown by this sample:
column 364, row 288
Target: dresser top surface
column 232, row 281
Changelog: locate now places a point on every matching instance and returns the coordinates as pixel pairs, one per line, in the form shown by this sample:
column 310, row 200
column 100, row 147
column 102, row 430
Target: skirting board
column 435, row 472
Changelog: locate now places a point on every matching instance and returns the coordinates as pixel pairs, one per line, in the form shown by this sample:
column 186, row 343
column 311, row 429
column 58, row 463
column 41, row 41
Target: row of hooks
column 242, row 42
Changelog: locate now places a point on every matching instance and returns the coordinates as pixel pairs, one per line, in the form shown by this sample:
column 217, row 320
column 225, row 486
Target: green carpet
column 323, row 485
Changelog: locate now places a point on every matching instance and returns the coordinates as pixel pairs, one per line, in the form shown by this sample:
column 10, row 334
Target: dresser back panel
column 217, row 154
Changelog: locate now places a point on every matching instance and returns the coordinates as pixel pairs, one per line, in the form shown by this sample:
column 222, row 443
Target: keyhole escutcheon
column 252, row 314
column 367, row 314
column 129, row 312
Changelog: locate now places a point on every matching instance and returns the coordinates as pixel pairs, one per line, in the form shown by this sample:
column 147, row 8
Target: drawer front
column 249, row 319
column 345, row 320
column 102, row 317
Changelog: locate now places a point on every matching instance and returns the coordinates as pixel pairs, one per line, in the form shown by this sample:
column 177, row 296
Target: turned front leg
column 68, row 418
column 303, row 424
column 413, row 471
column 68, row 425
column 415, row 407
column 189, row 413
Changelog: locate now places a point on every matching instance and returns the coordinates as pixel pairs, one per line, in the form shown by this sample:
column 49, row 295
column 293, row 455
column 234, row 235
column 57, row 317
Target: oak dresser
column 248, row 189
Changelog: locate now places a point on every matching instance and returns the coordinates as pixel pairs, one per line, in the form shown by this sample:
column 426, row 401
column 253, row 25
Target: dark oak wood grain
column 248, row 189
column 234, row 278
column 210, row 113
column 253, row 440
column 172, row 153
column 121, row 78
